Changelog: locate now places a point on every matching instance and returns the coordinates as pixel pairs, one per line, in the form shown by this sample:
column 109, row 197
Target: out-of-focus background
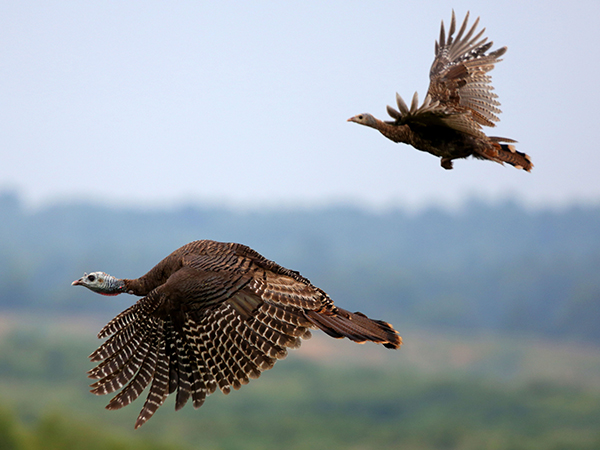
column 129, row 129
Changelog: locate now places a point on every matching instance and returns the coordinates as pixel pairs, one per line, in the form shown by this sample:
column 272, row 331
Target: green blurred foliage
column 297, row 405
column 62, row 432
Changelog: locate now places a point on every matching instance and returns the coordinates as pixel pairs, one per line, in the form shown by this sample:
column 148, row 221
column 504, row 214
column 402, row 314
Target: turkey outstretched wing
column 219, row 320
column 201, row 330
column 459, row 78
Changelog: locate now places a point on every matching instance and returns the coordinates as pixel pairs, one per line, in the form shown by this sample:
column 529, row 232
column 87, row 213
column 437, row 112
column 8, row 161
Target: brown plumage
column 212, row 315
column 458, row 103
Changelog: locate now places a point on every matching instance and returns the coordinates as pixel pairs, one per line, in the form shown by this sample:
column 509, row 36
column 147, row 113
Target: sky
column 246, row 104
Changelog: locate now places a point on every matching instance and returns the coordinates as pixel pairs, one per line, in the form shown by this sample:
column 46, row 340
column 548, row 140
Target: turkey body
column 211, row 315
column 449, row 144
column 459, row 102
column 438, row 140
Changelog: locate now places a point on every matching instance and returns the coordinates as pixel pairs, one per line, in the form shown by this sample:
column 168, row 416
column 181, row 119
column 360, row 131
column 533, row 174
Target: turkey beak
column 76, row 282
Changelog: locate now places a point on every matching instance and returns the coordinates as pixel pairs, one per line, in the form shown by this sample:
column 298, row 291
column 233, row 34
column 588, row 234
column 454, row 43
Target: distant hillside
column 499, row 267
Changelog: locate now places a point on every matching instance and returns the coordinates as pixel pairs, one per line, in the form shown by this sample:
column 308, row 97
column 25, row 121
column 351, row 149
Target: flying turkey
column 212, row 315
column 459, row 102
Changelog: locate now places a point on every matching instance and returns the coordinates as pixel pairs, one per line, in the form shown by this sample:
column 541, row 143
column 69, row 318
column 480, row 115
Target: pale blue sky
column 159, row 103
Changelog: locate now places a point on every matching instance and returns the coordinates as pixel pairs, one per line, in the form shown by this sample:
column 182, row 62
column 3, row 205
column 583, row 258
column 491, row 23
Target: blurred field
column 438, row 391
column 504, row 357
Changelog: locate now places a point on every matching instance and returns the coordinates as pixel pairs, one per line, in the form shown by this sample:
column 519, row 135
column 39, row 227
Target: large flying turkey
column 212, row 315
column 459, row 102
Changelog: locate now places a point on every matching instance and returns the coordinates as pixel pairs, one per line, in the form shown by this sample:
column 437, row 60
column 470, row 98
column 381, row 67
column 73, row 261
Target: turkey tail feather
column 355, row 326
column 507, row 153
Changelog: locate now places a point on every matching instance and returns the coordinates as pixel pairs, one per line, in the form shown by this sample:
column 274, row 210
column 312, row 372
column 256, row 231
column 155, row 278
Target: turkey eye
column 91, row 278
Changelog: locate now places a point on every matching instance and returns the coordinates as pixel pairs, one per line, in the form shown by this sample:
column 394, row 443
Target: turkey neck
column 157, row 276
column 141, row 286
column 396, row 133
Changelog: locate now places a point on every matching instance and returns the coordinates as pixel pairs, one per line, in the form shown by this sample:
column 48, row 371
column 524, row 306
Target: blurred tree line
column 484, row 266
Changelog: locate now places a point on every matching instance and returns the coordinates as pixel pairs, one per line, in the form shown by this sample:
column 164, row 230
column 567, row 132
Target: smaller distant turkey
column 211, row 315
column 458, row 103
